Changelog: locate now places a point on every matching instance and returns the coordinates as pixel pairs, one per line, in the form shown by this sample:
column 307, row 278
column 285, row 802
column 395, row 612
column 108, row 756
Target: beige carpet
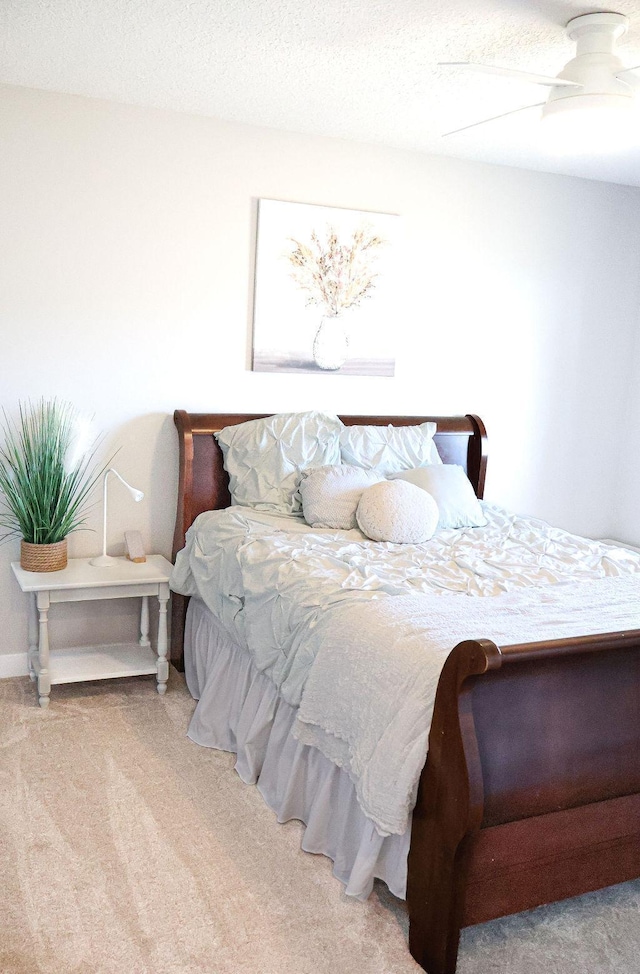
column 126, row 848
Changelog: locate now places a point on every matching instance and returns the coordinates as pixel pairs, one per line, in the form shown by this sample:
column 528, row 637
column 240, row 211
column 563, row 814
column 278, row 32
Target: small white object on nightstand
column 133, row 547
column 80, row 581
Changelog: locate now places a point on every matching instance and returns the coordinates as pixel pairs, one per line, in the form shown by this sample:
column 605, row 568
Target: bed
column 540, row 805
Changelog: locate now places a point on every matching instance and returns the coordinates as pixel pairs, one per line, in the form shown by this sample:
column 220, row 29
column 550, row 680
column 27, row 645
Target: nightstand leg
column 33, row 636
column 144, row 622
column 163, row 643
column 44, row 677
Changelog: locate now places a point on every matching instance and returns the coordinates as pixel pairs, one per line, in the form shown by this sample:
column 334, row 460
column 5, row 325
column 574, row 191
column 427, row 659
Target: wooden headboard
column 204, row 485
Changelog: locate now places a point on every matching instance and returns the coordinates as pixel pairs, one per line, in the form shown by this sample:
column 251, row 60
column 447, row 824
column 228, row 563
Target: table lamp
column 104, row 560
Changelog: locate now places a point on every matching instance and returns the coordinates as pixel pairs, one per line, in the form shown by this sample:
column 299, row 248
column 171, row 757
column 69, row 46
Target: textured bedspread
column 356, row 620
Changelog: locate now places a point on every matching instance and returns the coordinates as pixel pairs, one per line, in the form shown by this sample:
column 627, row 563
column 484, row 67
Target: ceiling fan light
column 589, row 124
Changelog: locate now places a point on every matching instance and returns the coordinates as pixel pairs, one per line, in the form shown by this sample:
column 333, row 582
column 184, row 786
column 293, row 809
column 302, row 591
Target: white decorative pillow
column 397, row 511
column 330, row 495
column 389, row 449
column 263, row 457
column 449, row 485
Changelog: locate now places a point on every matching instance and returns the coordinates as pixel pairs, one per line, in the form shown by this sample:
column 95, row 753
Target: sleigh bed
column 511, row 813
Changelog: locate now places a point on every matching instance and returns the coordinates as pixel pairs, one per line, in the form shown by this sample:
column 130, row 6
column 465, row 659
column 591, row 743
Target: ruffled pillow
column 453, row 492
column 263, row 457
column 330, row 494
column 389, row 449
column 397, row 511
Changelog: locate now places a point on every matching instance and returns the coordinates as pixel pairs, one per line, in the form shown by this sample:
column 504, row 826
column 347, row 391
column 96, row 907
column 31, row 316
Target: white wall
column 625, row 505
column 125, row 287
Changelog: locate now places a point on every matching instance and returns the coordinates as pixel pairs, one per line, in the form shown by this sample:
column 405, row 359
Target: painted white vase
column 331, row 344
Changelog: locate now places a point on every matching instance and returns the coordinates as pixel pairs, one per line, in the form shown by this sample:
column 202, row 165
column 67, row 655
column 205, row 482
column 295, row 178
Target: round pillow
column 397, row 511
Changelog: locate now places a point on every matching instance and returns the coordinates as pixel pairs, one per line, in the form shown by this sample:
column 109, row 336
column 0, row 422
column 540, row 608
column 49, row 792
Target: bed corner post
column 477, row 455
column 448, row 812
column 179, row 603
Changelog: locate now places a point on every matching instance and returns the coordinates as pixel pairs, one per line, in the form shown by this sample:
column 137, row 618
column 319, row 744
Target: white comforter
column 355, row 632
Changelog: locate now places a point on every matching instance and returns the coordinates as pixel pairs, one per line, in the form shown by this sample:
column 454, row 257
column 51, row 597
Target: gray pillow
column 397, row 511
column 449, row 485
column 263, row 457
column 330, row 494
column 389, row 449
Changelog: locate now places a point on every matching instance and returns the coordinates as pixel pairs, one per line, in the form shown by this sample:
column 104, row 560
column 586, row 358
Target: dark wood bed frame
column 531, row 788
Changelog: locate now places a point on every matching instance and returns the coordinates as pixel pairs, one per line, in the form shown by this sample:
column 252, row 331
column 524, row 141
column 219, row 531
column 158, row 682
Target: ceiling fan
column 589, row 95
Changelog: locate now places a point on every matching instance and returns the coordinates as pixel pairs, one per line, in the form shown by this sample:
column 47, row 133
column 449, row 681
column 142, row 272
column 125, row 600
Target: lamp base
column 104, row 561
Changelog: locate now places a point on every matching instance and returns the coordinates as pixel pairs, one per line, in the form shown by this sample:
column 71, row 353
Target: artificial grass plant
column 46, row 472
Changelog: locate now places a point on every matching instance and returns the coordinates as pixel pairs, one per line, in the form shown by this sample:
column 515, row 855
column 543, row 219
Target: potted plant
column 47, row 472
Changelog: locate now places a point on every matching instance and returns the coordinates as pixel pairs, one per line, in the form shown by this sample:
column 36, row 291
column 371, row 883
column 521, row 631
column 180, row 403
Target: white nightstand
column 82, row 582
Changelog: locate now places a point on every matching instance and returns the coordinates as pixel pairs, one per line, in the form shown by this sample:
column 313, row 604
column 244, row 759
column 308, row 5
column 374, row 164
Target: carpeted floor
column 126, row 848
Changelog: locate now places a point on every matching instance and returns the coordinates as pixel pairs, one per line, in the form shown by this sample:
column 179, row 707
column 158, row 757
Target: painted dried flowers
column 336, row 275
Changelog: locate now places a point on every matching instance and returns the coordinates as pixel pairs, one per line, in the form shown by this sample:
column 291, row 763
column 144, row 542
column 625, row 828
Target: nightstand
column 82, row 582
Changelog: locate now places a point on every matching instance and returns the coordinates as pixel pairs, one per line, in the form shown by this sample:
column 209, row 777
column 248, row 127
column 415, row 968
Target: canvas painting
column 325, row 290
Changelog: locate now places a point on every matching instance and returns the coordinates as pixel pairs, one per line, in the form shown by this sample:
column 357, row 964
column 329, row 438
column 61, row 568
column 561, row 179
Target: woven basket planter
column 43, row 557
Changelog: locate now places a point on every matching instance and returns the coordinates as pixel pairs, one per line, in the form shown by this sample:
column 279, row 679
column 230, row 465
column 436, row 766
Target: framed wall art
column 325, row 290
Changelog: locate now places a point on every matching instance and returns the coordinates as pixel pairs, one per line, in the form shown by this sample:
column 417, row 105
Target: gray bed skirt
column 239, row 710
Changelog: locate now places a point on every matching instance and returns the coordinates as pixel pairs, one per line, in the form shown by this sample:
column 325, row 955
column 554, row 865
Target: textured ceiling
column 357, row 69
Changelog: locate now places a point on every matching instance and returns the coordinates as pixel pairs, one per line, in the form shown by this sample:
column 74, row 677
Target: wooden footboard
column 531, row 790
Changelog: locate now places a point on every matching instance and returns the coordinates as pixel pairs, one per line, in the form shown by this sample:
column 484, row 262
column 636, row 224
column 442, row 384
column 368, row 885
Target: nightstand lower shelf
column 82, row 663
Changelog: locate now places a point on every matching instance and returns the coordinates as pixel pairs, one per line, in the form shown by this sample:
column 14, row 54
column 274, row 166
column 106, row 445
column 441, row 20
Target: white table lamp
column 104, row 560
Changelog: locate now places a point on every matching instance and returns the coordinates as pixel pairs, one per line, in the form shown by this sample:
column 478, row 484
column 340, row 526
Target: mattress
column 270, row 578
column 351, row 634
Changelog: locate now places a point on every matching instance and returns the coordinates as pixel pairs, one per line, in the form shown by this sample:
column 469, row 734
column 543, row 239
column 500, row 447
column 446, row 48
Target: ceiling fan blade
column 494, row 118
column 537, row 79
column 627, row 70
